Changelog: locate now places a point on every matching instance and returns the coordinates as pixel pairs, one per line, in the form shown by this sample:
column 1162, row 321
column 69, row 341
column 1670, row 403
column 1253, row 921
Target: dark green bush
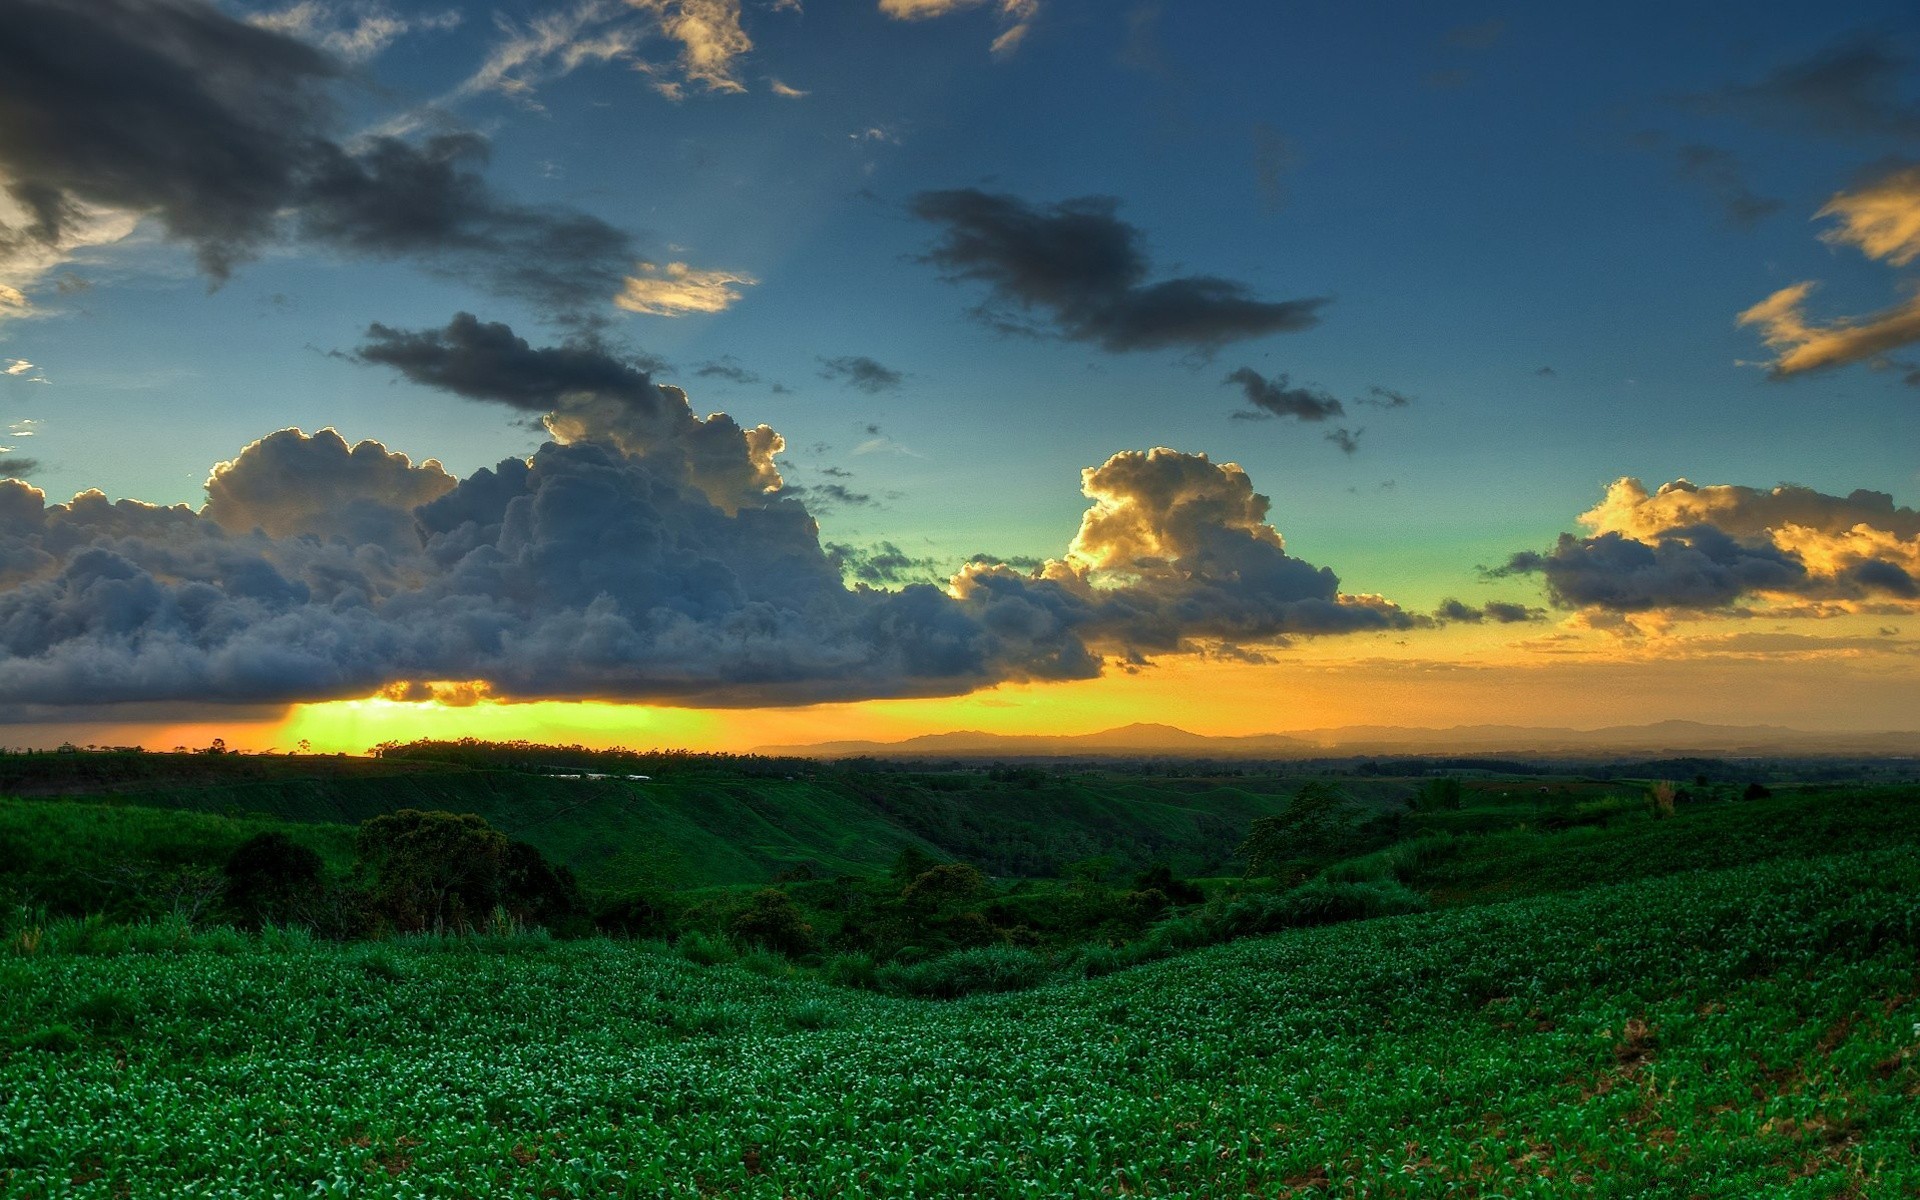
column 965, row 972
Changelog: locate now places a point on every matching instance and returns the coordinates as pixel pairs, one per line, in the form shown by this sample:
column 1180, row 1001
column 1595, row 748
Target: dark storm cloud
column 486, row 360
column 1277, row 397
column 1698, row 567
column 603, row 565
column 587, row 391
column 1853, row 89
column 392, row 199
column 1498, row 611
column 224, row 133
column 18, row 467
column 1084, row 271
column 857, row 370
column 1878, row 575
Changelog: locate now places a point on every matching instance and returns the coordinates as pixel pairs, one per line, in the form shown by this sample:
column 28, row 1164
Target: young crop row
column 1721, row 1035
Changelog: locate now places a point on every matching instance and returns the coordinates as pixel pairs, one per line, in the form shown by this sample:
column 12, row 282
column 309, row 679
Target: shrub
column 815, row 1014
column 764, row 963
column 632, row 917
column 1162, row 879
column 381, row 965
column 945, row 884
column 850, row 970
column 109, row 1011
column 538, row 893
column 697, row 947
column 965, row 972
column 49, row 1039
column 772, row 921
column 272, row 879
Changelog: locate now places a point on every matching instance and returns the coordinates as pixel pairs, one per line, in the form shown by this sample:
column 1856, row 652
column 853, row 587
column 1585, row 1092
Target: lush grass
column 693, row 827
column 1718, row 1035
column 1525, row 859
column 90, row 858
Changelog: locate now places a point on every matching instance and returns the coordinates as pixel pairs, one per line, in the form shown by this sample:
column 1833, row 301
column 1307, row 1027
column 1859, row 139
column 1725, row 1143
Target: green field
column 1730, row 1034
column 695, row 827
column 1529, row 987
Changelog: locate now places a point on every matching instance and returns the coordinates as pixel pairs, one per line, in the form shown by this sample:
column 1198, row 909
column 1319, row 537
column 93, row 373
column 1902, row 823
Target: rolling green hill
column 702, row 827
column 1716, row 1035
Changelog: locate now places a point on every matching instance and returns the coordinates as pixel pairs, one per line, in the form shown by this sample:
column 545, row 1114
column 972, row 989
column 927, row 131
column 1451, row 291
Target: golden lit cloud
column 676, row 289
column 1735, row 551
column 1805, row 345
column 1882, row 220
column 710, row 38
column 1015, row 15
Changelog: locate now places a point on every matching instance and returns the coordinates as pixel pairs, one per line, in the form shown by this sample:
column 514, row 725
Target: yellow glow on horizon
column 1556, row 675
column 1839, row 673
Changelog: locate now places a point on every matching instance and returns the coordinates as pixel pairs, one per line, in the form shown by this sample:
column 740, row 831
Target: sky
column 718, row 373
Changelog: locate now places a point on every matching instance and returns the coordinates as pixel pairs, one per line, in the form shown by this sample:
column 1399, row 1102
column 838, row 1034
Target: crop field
column 1729, row 1034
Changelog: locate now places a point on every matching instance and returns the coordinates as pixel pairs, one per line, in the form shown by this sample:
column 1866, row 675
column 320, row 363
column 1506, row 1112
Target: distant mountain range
column 1659, row 738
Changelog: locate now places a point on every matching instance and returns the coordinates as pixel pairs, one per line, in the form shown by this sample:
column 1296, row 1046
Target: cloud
column 676, row 289
column 857, row 370
column 1016, row 16
column 1852, row 89
column 1274, row 157
column 1882, row 220
column 782, row 90
column 1806, row 345
column 288, row 484
column 883, row 565
column 1347, row 439
column 18, row 366
column 222, row 133
column 600, row 566
column 1383, row 397
column 1692, row 547
column 1720, row 173
column 1175, row 547
column 1276, row 397
column 727, row 368
column 17, row 466
column 588, row 393
column 355, row 32
column 1483, row 36
column 710, row 38
column 1498, row 611
column 1084, row 269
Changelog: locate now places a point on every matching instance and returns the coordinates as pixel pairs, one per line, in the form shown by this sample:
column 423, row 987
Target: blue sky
column 1539, row 224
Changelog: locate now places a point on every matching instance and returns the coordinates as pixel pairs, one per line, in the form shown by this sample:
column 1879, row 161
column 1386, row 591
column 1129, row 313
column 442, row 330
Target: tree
column 946, row 883
column 772, row 921
column 272, row 878
column 1314, row 824
column 432, row 870
column 1439, row 795
column 539, row 893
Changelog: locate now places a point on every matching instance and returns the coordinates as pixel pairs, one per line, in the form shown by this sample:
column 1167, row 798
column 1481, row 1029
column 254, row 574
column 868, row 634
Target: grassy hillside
column 1733, row 1034
column 698, row 827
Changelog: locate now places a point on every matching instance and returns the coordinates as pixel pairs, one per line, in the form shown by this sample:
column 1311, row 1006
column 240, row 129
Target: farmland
column 1556, row 986
column 1714, row 1034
